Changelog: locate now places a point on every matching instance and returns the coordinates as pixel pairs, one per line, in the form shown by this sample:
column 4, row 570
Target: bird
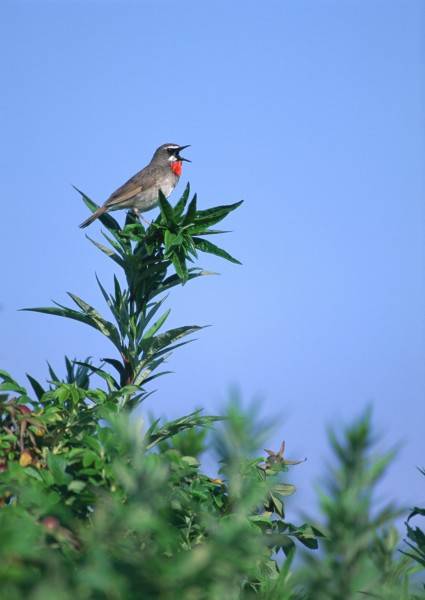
column 141, row 192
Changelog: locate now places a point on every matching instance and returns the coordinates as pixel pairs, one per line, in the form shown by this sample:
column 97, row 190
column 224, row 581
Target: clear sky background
column 312, row 111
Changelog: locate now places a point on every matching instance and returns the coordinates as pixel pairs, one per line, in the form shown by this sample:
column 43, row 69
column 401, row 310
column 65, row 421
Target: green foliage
column 101, row 515
column 146, row 257
column 416, row 537
column 97, row 504
column 360, row 546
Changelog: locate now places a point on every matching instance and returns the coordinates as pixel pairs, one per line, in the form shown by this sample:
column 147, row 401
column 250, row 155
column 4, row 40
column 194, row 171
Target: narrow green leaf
column 156, row 434
column 157, row 325
column 121, row 245
column 105, row 294
column 152, row 377
column 68, row 366
column 150, row 309
column 116, row 364
column 111, row 381
column 179, row 264
column 171, row 240
column 9, row 381
column 117, row 289
column 191, row 212
column 113, row 255
column 203, row 230
column 11, row 387
column 105, row 327
column 36, row 386
column 174, row 280
column 180, row 206
column 52, row 373
column 61, row 312
column 152, row 345
column 416, row 511
column 166, row 210
column 6, row 376
column 309, row 542
column 210, row 216
column 277, row 505
column 284, row 489
column 210, row 248
column 166, row 352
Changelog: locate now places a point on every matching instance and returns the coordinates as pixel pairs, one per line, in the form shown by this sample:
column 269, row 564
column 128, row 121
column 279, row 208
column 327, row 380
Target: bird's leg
column 138, row 215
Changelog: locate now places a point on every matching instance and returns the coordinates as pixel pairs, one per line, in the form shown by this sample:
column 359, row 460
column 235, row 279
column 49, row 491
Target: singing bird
column 140, row 192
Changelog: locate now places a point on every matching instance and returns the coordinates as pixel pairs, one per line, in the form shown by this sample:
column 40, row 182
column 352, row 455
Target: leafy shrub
column 416, row 537
column 360, row 556
column 97, row 505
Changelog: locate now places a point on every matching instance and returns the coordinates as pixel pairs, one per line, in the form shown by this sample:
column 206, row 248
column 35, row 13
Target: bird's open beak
column 182, row 157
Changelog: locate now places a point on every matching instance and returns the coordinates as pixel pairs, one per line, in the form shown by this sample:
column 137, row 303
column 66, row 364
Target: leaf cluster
column 153, row 261
column 112, row 506
column 415, row 539
column 98, row 505
column 360, row 546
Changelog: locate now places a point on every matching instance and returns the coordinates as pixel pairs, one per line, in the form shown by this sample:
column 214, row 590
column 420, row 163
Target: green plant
column 359, row 552
column 145, row 256
column 96, row 504
column 416, row 537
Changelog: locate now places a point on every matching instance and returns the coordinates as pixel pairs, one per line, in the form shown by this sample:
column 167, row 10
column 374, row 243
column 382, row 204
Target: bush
column 96, row 505
column 359, row 554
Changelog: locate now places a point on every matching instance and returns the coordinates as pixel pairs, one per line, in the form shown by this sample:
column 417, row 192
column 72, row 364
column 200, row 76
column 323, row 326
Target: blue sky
column 312, row 111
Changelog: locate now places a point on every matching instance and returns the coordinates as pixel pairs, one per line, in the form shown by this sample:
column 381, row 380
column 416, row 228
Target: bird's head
column 170, row 154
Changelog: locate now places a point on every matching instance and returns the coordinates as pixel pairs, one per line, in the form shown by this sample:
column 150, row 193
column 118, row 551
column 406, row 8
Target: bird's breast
column 148, row 198
column 177, row 167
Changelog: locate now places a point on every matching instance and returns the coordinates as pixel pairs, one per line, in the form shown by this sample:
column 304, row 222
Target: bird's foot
column 138, row 215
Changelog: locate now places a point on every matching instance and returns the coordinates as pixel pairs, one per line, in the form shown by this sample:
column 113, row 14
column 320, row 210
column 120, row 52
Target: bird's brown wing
column 144, row 179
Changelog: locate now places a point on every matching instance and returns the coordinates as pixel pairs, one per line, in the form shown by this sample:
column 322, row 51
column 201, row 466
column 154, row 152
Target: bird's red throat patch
column 176, row 167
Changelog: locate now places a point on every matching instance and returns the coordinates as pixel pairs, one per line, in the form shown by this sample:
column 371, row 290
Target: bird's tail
column 98, row 213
